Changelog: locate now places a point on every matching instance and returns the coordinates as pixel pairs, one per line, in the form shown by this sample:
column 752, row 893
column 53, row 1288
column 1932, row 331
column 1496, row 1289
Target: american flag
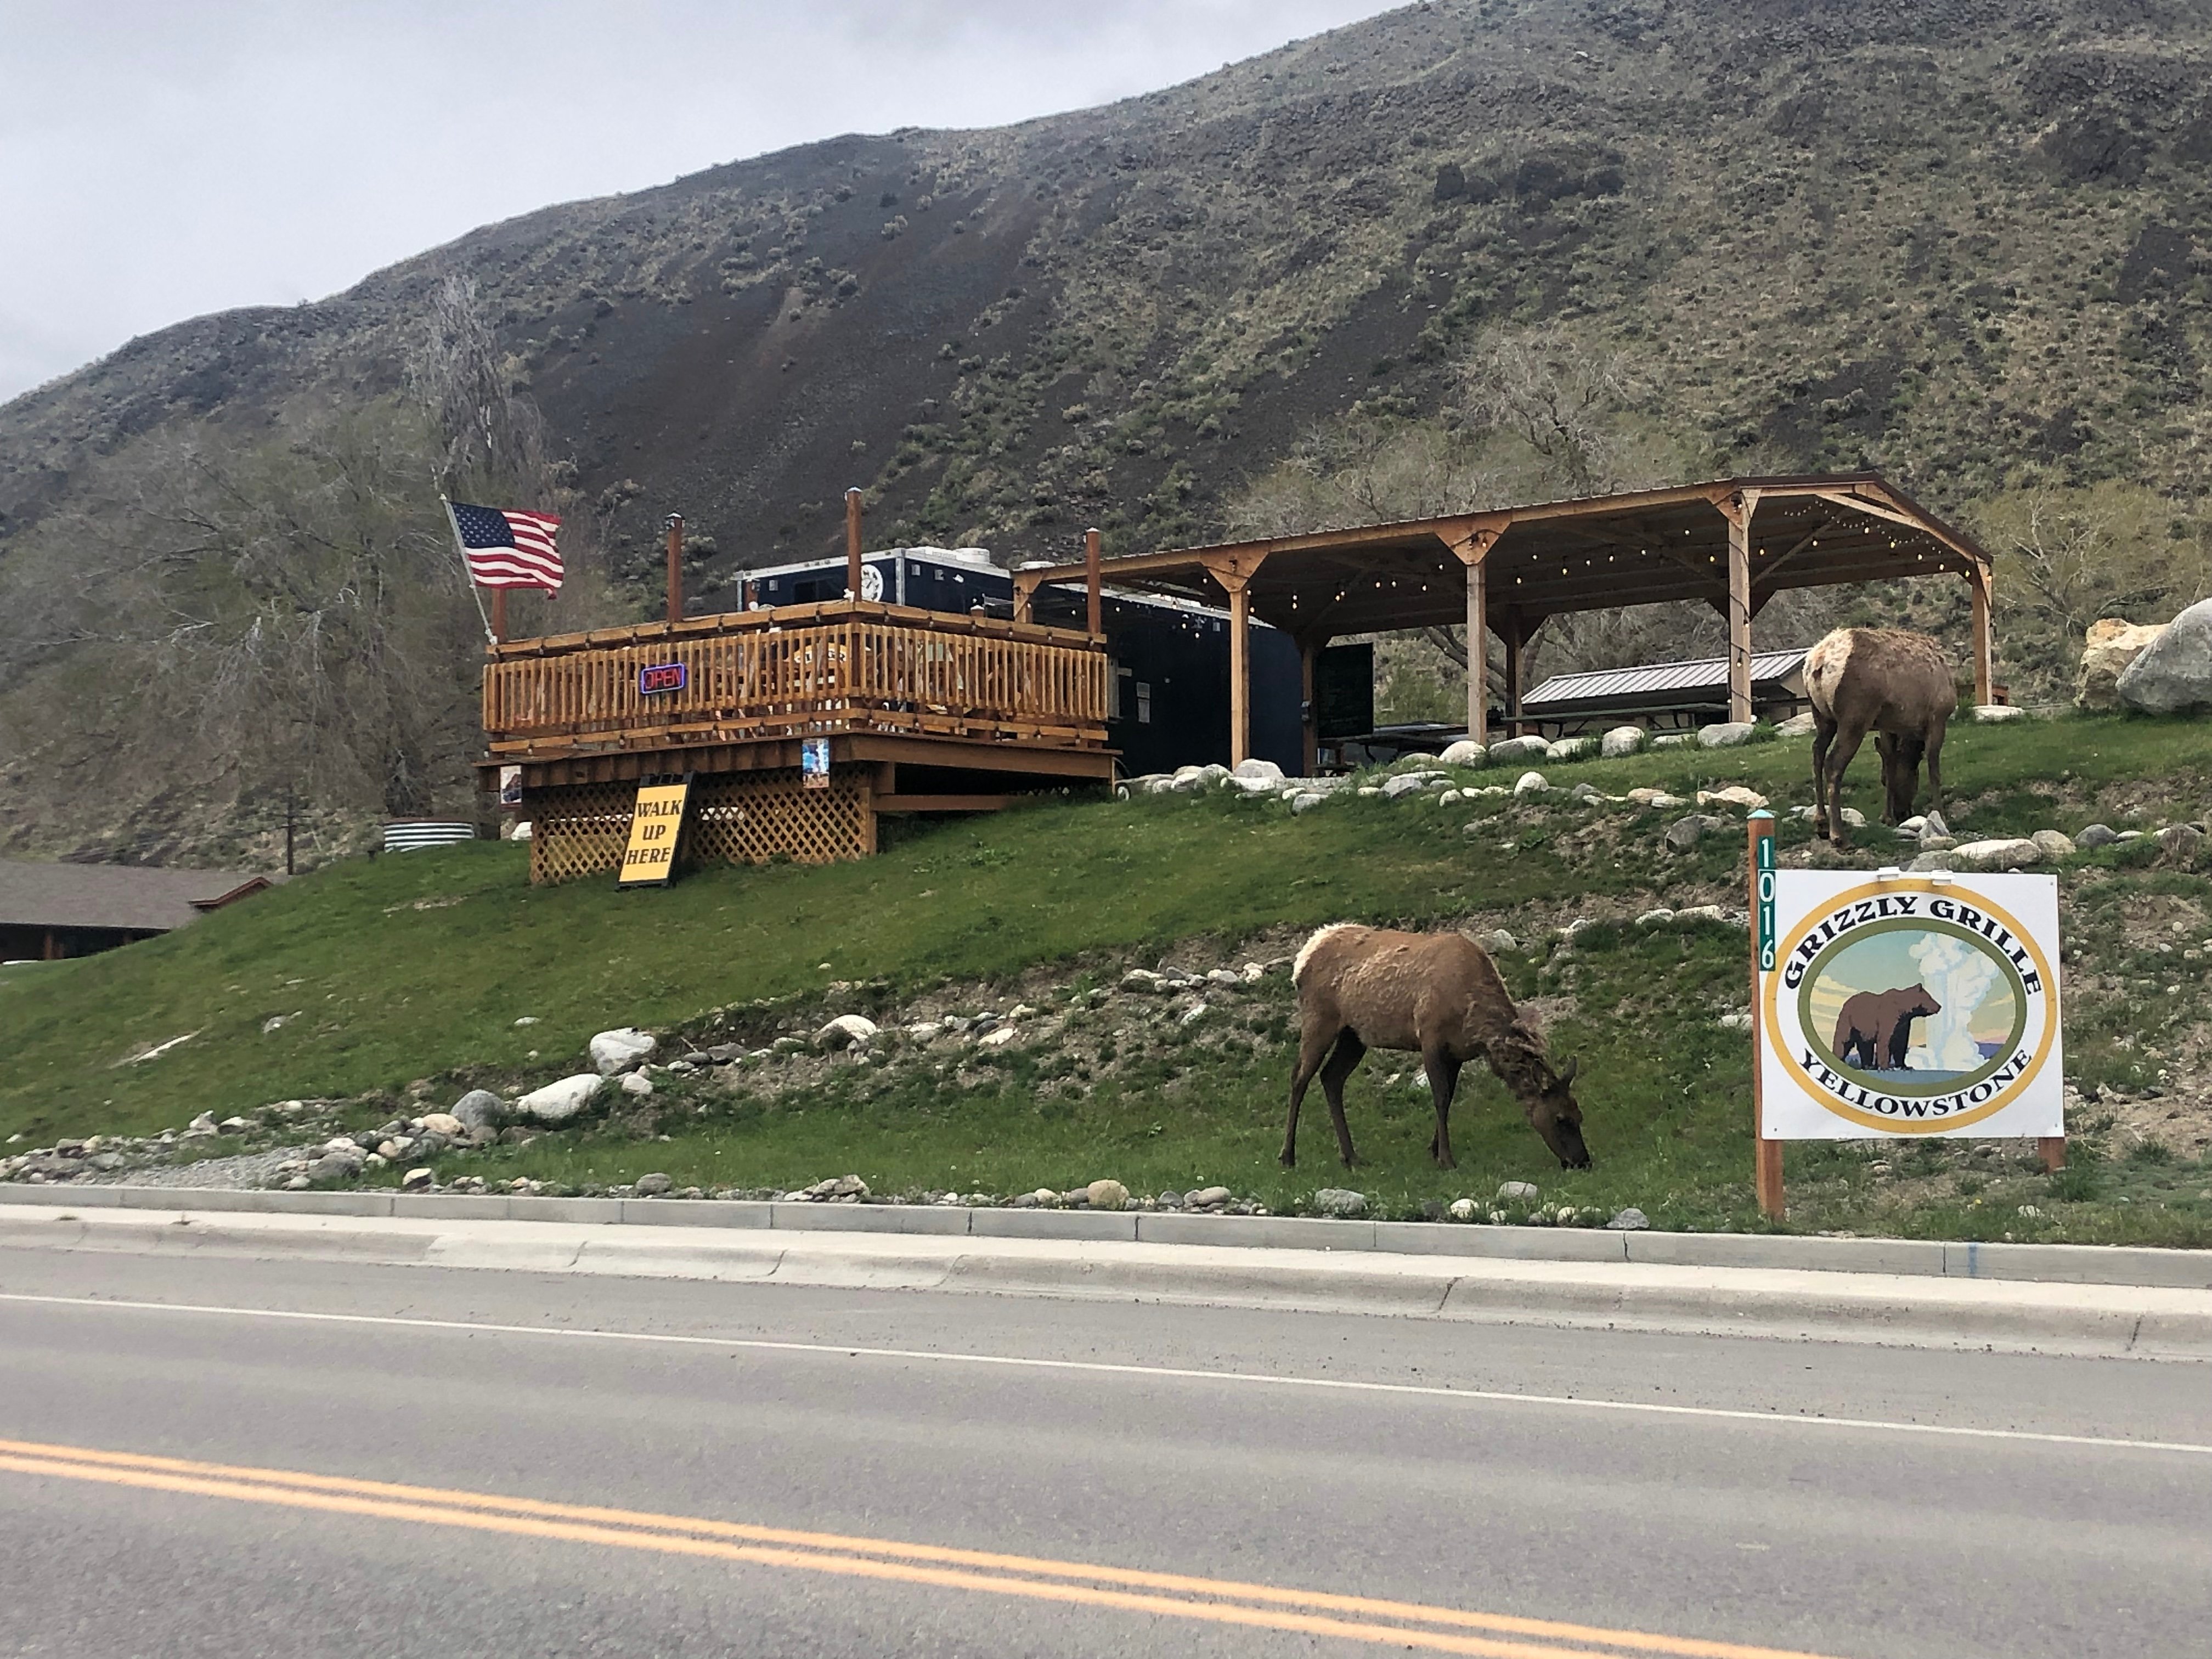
column 506, row 549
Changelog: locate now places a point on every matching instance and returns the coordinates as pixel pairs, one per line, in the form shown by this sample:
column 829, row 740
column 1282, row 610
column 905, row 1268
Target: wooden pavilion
column 1734, row 542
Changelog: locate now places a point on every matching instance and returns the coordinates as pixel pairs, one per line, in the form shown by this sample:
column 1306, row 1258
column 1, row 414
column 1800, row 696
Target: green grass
column 399, row 969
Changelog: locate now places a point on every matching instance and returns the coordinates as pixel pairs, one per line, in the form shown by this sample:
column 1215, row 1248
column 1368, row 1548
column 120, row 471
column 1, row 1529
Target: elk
column 1897, row 685
column 1439, row 995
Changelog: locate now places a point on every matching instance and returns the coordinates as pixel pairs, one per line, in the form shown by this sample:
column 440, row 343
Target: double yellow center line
column 1219, row 1601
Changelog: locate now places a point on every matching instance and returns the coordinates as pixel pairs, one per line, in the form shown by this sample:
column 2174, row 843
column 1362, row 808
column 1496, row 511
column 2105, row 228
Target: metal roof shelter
column 1661, row 689
column 1734, row 542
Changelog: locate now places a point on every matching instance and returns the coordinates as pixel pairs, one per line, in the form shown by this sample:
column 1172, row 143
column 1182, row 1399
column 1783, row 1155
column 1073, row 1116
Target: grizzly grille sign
column 1911, row 1005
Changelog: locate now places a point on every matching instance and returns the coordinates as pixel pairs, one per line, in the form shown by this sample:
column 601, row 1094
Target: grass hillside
column 386, row 987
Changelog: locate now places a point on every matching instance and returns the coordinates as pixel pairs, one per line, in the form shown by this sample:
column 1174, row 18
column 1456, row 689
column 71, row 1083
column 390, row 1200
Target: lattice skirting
column 734, row 817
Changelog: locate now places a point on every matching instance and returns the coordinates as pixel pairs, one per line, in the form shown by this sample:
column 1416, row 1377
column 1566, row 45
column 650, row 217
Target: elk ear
column 1567, row 1072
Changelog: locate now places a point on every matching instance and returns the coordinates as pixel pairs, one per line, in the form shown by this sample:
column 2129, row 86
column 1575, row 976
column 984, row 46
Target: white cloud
column 161, row 159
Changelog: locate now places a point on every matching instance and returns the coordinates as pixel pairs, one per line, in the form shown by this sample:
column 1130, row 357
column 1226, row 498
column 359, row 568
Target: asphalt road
column 736, row 1469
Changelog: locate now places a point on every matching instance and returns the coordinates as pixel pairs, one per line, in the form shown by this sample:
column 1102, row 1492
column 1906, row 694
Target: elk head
column 1554, row 1115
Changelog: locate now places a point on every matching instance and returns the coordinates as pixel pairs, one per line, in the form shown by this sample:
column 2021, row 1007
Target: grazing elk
column 1435, row 994
column 1897, row 685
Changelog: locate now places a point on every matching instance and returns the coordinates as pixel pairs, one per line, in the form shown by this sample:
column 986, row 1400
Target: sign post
column 1767, row 1152
column 655, row 829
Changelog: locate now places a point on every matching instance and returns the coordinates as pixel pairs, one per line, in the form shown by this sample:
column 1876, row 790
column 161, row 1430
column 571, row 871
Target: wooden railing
column 799, row 670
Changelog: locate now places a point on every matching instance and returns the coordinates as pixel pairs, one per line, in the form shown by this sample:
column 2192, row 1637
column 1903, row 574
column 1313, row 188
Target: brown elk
column 1897, row 685
column 1439, row 995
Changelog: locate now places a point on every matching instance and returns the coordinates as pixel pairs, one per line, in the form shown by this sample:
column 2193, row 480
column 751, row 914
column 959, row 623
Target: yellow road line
column 999, row 1574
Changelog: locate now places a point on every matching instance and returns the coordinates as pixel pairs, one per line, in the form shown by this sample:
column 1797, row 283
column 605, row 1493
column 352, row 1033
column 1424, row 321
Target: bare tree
column 1556, row 395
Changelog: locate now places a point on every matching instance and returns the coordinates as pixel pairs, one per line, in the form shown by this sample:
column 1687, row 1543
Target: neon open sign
column 662, row 677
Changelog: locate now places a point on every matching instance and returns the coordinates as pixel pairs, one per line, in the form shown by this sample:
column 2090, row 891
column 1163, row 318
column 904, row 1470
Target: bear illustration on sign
column 1874, row 1032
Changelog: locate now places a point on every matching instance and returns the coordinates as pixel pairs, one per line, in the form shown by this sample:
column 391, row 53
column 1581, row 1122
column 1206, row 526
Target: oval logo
column 1911, row 1011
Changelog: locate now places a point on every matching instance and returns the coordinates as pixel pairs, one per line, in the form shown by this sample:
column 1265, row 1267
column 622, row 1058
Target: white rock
column 1570, row 749
column 1265, row 771
column 1530, row 783
column 1190, row 1015
column 1466, row 752
column 1726, row 735
column 444, row 1123
column 620, row 1049
column 1797, row 726
column 1518, row 1192
column 2055, row 845
column 1106, row 1195
column 997, row 1037
column 845, row 1032
column 558, row 1103
column 1672, row 740
column 636, row 1084
column 1996, row 714
column 1449, row 798
column 1306, row 801
column 1654, row 918
column 928, row 1031
column 1256, row 786
column 1145, row 980
column 1341, row 1201
column 1497, row 940
column 2004, row 853
column 1462, row 1209
column 1409, row 783
column 1734, row 795
column 417, row 1179
column 1622, row 740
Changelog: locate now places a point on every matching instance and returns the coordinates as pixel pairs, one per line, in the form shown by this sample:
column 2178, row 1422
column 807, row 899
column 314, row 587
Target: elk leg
column 1444, row 1079
column 1840, row 754
column 1313, row 1049
column 1934, row 747
column 1349, row 1051
column 1824, row 733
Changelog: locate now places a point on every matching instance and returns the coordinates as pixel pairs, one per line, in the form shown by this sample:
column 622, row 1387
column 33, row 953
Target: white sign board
column 1911, row 1005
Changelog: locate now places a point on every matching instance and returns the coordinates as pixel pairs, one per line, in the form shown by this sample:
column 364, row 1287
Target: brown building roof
column 135, row 896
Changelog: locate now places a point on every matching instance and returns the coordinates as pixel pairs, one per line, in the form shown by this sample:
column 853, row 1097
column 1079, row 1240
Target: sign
column 872, row 583
column 659, row 677
column 1910, row 1006
column 814, row 762
column 1762, row 881
column 655, row 829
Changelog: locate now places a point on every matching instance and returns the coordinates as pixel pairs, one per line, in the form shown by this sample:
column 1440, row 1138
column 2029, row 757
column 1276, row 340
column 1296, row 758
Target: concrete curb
column 1914, row 1310
column 2070, row 1264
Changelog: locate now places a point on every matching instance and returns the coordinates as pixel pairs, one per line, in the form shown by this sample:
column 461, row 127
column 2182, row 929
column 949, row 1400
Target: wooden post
column 498, row 613
column 1512, row 674
column 1478, row 654
column 1092, row 578
column 851, row 544
column 1240, row 669
column 1025, row 600
column 1766, row 1166
column 676, row 567
column 2052, row 1150
column 1984, row 667
column 1308, row 715
column 1739, row 614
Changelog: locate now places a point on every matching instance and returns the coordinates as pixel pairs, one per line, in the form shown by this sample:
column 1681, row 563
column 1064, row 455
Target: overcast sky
column 163, row 158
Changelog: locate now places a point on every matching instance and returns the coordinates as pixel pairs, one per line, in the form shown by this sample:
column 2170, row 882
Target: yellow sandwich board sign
column 650, row 860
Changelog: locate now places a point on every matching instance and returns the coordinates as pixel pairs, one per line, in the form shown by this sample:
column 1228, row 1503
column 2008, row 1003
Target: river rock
column 652, row 1186
column 1510, row 750
column 1530, row 783
column 1341, row 1201
column 2055, row 846
column 1412, row 783
column 2182, row 841
column 1728, row 734
column 1106, row 1195
column 2173, row 674
column 1940, row 858
column 1686, row 832
column 1206, row 1198
column 1466, row 752
column 620, row 1049
column 1797, row 726
column 479, row 1109
column 560, row 1103
column 1629, row 1220
column 1734, row 794
column 636, row 1085
column 845, row 1031
column 2112, row 645
column 1518, row 1192
column 1497, row 940
column 418, row 1179
column 1999, row 854
column 1257, row 770
column 2096, row 835
column 1622, row 740
column 1673, row 741
column 1306, row 800
column 1571, row 748
column 1997, row 714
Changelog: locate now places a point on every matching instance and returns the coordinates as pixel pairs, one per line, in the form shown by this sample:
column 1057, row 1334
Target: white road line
column 1488, row 1396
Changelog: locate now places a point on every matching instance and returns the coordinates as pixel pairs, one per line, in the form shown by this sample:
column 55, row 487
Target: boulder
column 1729, row 734
column 620, row 1049
column 1629, row 1220
column 1519, row 748
column 417, row 1180
column 2182, row 842
column 2015, row 854
column 1206, row 1198
column 2096, row 835
column 1462, row 1209
column 1654, row 918
column 1341, row 1201
column 2054, row 844
column 479, row 1109
column 1530, row 783
column 1734, row 794
column 1570, row 749
column 2112, row 646
column 1942, row 858
column 1518, row 1192
column 1622, row 740
column 636, row 1085
column 1268, row 786
column 1672, row 740
column 1997, row 714
column 1410, row 783
column 1106, row 1195
column 846, row 1031
column 443, row 1123
column 653, row 1186
column 1684, row 833
column 558, row 1103
column 2173, row 674
column 1797, row 726
column 1466, row 752
column 998, row 1037
column 1497, row 940
column 1262, row 771
column 1306, row 800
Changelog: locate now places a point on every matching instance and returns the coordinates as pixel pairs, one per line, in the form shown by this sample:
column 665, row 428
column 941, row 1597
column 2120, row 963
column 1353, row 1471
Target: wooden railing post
column 676, row 567
column 851, row 544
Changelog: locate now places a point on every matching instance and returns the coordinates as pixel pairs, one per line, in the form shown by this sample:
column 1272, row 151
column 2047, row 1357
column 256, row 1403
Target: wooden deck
column 840, row 667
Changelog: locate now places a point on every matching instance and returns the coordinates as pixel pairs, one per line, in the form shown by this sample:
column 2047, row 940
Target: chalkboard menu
column 1344, row 691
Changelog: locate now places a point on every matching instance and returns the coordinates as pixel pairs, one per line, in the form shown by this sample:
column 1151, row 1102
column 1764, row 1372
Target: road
column 199, row 1457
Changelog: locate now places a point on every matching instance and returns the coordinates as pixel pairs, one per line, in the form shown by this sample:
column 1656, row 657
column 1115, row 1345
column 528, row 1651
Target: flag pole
column 491, row 634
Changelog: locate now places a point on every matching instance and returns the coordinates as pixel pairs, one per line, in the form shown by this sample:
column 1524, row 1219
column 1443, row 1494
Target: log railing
column 799, row 670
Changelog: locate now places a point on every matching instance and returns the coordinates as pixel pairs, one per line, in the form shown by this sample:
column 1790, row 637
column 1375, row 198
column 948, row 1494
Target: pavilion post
column 851, row 544
column 1512, row 674
column 498, row 615
column 1092, row 582
column 1024, row 602
column 675, row 572
column 1739, row 614
column 1478, row 654
column 1978, row 584
column 1309, row 711
column 1240, row 669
